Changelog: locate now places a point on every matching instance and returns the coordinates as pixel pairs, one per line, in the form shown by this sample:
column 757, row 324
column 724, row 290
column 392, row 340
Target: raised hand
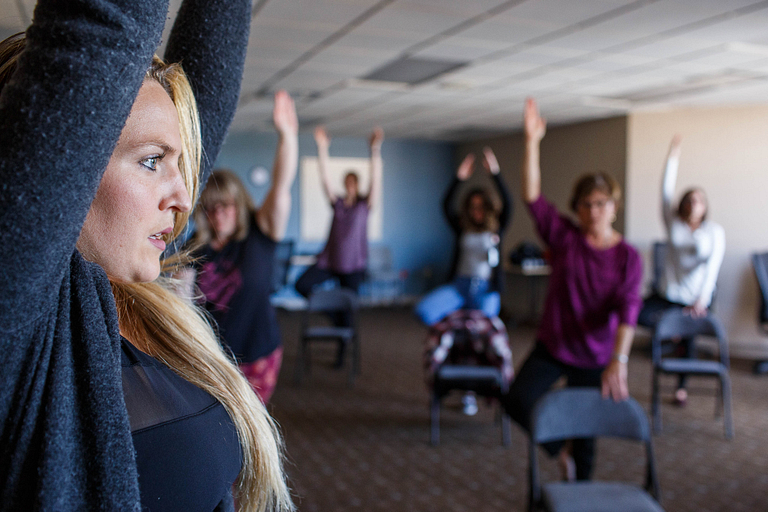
column 535, row 125
column 284, row 114
column 489, row 161
column 466, row 167
column 676, row 145
column 376, row 138
column 322, row 139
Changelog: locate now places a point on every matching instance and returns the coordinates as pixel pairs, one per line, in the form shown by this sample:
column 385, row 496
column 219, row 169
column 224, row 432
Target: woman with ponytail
column 114, row 392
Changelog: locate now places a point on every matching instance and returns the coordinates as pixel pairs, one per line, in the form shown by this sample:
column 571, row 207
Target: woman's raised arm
column 669, row 180
column 209, row 39
column 463, row 172
column 323, row 144
column 61, row 114
column 377, row 166
column 273, row 214
column 535, row 128
column 492, row 166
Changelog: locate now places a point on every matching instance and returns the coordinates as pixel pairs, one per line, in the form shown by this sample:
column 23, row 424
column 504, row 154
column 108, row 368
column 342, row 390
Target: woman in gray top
column 476, row 282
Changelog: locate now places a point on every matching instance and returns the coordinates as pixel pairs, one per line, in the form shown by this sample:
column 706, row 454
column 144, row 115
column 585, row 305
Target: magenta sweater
column 591, row 291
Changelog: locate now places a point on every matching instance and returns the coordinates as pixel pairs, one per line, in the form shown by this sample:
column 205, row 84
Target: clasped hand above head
column 466, row 167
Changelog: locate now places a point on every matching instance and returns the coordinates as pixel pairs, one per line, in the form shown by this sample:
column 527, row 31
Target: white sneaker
column 469, row 404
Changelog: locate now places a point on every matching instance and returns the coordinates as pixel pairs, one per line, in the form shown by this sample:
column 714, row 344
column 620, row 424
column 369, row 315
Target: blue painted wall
column 416, row 174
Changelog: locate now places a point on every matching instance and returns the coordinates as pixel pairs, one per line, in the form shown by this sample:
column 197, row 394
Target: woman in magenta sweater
column 592, row 301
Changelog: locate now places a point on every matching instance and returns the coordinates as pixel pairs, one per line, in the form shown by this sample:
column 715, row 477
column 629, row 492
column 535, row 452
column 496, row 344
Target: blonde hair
column 224, row 187
column 177, row 333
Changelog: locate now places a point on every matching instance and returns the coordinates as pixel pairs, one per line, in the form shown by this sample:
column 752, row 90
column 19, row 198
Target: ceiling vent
column 413, row 71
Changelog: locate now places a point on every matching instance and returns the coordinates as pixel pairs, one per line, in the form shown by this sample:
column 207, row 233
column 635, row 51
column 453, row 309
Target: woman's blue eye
column 151, row 162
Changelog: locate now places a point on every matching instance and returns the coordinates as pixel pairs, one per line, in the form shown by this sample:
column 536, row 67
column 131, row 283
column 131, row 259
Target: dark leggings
column 536, row 377
column 654, row 307
column 315, row 275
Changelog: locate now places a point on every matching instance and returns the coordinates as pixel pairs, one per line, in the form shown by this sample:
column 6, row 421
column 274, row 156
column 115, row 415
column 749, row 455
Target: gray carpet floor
column 367, row 449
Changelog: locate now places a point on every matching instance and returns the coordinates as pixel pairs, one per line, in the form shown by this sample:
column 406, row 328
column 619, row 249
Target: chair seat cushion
column 324, row 331
column 598, row 497
column 673, row 365
column 451, row 372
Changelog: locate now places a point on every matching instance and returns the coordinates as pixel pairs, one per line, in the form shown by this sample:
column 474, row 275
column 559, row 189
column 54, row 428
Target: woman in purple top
column 592, row 302
column 345, row 255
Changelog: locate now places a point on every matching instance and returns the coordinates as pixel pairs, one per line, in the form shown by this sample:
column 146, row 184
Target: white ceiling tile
column 464, row 50
column 562, row 12
column 670, row 47
column 305, row 79
column 392, row 43
column 506, row 31
column 335, row 12
column 340, row 101
column 465, row 8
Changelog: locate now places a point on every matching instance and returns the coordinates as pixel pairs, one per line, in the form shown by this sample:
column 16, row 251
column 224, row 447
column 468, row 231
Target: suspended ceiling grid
column 582, row 59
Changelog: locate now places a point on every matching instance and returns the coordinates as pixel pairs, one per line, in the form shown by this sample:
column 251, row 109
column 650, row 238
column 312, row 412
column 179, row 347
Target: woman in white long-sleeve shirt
column 695, row 249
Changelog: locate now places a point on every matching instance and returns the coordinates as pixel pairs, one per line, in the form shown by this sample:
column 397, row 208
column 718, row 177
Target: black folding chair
column 283, row 253
column 575, row 413
column 485, row 381
column 334, row 302
column 678, row 324
column 659, row 263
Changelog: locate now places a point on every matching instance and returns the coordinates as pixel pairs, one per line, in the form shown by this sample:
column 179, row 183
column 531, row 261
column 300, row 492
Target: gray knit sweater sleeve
column 64, row 430
column 214, row 70
column 60, row 117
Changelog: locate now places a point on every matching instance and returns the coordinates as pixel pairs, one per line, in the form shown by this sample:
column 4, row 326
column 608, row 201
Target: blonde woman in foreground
column 115, row 394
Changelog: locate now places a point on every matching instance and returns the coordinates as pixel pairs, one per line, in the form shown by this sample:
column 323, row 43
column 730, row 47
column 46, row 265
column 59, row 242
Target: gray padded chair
column 760, row 264
column 677, row 324
column 574, row 413
column 329, row 302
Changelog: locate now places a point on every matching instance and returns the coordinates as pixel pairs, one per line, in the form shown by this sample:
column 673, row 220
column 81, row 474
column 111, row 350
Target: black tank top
column 187, row 450
column 236, row 282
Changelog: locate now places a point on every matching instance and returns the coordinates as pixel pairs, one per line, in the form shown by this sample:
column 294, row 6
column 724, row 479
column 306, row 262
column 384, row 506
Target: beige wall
column 725, row 151
column 566, row 153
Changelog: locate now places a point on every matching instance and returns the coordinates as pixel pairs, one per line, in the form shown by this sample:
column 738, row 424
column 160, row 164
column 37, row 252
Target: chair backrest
column 583, row 413
column 335, row 299
column 659, row 263
column 283, row 253
column 677, row 323
column 760, row 263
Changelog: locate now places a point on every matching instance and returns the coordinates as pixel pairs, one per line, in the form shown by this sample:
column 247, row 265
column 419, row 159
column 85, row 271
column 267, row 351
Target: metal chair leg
column 656, row 404
column 434, row 417
column 298, row 372
column 353, row 363
column 506, row 429
column 727, row 406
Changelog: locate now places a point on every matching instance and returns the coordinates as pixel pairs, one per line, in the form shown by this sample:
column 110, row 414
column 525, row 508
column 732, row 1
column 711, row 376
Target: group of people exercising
column 116, row 391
